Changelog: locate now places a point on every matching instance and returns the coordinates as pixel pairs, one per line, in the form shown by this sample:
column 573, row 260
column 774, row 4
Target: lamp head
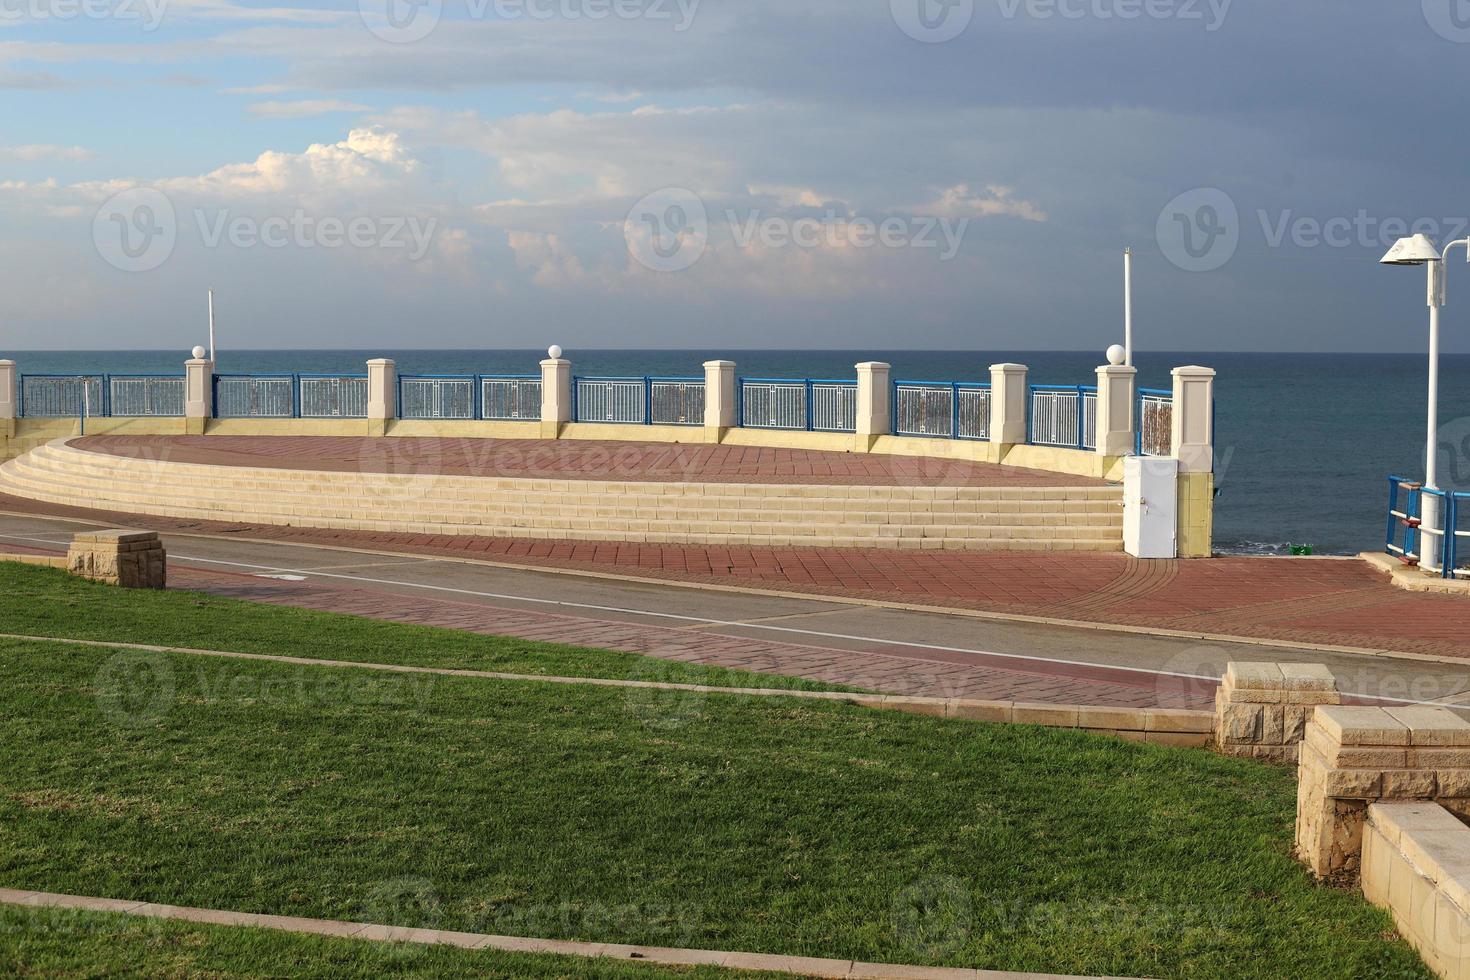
column 1414, row 250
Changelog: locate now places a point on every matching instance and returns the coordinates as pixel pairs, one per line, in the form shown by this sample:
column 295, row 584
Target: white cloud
column 302, row 108
column 45, row 151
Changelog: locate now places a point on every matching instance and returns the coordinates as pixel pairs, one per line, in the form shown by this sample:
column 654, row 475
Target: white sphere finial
column 198, row 353
column 554, row 352
column 1115, row 354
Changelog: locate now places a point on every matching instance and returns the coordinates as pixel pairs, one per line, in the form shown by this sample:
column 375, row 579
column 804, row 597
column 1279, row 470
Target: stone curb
column 663, row 955
column 1167, row 726
column 1410, row 579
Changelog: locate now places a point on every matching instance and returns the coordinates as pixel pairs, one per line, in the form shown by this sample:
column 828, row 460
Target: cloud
column 45, row 151
column 302, row 108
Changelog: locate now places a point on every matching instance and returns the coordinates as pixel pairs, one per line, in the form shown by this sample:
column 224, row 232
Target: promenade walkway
column 577, row 460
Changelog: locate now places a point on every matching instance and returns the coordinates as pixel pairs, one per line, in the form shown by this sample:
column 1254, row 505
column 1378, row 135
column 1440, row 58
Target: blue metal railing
column 810, row 404
column 508, row 397
column 332, row 396
column 941, row 409
column 1154, row 423
column 1062, row 415
column 494, row 397
column 257, row 396
column 100, row 395
column 1412, row 535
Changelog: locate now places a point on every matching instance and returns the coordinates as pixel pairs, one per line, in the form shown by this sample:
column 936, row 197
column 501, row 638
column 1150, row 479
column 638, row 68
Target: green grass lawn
column 718, row 821
column 48, row 602
column 55, row 942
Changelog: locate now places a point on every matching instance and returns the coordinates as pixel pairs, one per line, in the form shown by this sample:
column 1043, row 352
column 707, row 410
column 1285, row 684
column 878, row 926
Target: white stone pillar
column 874, row 402
column 9, row 406
column 1192, row 442
column 719, row 399
column 382, row 399
column 1008, row 396
column 1192, row 437
column 1115, row 409
column 556, row 395
column 198, row 392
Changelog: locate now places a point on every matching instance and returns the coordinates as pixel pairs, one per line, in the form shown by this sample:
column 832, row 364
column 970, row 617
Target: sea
column 1305, row 443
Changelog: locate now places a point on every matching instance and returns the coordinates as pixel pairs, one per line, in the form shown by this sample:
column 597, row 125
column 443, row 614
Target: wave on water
column 1277, row 549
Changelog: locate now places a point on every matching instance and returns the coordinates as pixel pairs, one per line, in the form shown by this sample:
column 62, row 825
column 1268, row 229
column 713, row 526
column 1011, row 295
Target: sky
column 906, row 174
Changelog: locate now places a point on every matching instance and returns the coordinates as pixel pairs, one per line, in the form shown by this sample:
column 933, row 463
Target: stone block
column 999, row 711
column 1178, row 720
column 1359, row 725
column 1428, row 725
column 1307, row 677
column 1400, row 784
column 1248, row 676
column 1050, row 715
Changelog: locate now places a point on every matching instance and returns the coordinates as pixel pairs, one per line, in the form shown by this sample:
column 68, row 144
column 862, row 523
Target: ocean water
column 1304, row 442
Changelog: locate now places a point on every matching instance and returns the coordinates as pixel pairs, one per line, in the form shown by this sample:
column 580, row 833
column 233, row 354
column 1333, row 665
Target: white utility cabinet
column 1150, row 506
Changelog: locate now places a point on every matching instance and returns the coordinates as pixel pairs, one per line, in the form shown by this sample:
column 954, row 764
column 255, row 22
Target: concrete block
column 1357, row 725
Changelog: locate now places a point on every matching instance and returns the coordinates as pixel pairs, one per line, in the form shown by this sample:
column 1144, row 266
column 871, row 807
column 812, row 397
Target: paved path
column 1316, row 601
column 572, row 459
column 807, row 966
column 894, row 650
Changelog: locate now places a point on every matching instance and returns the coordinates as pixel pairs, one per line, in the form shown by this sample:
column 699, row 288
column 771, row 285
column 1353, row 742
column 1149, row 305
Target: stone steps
column 984, row 518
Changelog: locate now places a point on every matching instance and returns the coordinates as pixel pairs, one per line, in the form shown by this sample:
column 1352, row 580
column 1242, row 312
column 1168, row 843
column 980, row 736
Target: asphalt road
column 854, row 627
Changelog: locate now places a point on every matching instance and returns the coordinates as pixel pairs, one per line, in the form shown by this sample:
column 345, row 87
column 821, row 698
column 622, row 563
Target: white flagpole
column 1128, row 306
column 211, row 326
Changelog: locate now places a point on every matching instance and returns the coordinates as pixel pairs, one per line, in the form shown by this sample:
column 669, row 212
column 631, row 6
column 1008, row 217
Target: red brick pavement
column 894, row 671
column 576, row 460
column 1343, row 603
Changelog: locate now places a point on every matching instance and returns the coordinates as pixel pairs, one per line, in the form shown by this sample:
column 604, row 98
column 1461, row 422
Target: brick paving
column 572, row 459
column 1335, row 602
column 1341, row 603
column 896, row 670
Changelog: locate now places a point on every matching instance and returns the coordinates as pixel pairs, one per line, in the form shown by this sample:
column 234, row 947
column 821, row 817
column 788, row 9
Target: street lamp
column 1420, row 250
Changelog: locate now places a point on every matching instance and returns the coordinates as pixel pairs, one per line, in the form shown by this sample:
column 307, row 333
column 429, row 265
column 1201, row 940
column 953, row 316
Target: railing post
column 1117, row 404
column 1008, row 396
column 1192, row 442
column 382, row 395
column 9, row 404
column 198, row 392
column 556, row 394
column 874, row 403
column 719, row 400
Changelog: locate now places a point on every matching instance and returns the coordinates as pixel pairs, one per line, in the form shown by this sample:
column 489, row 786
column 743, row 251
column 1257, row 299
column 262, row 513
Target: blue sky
column 832, row 173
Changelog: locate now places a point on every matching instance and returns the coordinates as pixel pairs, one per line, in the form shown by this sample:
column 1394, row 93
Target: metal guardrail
column 422, row 396
column 1411, row 527
column 52, row 396
column 814, row 405
column 941, row 409
column 145, row 395
column 510, row 397
column 610, row 400
column 1063, row 415
column 1155, row 423
column 335, row 396
column 676, row 401
column 255, row 396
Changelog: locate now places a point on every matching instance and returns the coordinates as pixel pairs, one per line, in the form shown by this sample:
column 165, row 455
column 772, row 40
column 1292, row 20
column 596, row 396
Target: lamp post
column 1420, row 250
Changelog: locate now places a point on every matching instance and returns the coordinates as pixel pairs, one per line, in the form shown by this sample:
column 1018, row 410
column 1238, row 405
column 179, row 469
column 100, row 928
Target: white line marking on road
column 716, row 622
